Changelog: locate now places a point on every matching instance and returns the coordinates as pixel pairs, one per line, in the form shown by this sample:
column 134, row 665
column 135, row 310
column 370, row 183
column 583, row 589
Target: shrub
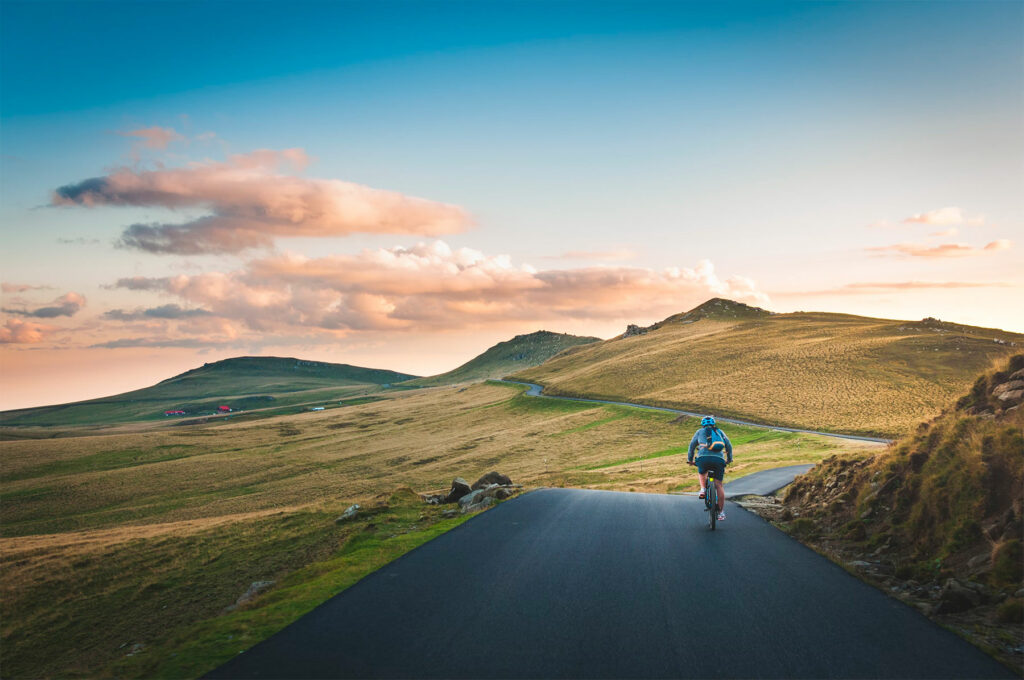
column 1006, row 563
column 1011, row 611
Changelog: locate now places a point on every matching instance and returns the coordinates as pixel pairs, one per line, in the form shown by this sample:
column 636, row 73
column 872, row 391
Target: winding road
column 537, row 391
column 573, row 583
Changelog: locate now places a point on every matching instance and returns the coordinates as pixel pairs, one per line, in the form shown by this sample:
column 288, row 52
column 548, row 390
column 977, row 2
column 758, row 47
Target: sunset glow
column 321, row 181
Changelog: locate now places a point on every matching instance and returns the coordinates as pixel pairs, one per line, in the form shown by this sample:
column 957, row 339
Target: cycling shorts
column 712, row 464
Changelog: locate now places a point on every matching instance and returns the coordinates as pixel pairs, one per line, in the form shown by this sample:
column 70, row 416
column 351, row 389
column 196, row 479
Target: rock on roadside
column 491, row 478
column 460, row 487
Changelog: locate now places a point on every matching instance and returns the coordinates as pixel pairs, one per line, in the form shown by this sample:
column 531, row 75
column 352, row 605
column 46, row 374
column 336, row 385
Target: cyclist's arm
column 728, row 448
column 693, row 446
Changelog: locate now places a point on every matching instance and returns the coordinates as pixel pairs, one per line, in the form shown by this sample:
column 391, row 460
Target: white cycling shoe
column 721, row 516
column 702, row 494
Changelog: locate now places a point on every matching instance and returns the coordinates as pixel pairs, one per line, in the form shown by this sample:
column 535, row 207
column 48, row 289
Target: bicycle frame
column 711, row 500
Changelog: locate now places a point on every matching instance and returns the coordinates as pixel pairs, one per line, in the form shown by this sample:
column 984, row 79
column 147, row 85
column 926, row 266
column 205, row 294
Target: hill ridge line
column 537, row 391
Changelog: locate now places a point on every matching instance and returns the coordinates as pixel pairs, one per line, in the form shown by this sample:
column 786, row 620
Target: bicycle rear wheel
column 712, row 501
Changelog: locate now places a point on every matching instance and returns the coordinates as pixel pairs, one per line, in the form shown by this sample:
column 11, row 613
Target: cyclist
column 714, row 452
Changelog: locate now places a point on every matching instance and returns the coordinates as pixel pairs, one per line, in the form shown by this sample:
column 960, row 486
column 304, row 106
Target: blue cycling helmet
column 707, row 421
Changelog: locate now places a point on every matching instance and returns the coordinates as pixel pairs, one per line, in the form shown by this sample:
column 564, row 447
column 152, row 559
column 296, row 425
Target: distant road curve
column 536, row 391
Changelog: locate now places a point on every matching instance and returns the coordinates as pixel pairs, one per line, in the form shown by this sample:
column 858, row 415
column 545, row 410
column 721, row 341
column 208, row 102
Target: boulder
column 460, row 487
column 349, row 513
column 470, row 498
column 477, row 506
column 1008, row 387
column 956, row 597
column 491, row 478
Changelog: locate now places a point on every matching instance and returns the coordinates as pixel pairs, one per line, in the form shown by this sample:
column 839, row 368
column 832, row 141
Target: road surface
column 534, row 390
column 573, row 583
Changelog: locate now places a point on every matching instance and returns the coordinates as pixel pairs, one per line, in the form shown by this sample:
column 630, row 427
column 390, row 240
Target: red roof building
column 224, row 409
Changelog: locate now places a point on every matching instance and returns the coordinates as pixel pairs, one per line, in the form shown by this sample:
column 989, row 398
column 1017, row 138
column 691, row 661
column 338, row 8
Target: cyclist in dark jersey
column 714, row 452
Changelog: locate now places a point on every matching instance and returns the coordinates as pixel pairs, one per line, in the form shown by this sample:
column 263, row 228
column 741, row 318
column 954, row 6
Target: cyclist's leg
column 720, row 488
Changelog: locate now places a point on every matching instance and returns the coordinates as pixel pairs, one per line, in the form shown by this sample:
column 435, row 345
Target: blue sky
column 789, row 144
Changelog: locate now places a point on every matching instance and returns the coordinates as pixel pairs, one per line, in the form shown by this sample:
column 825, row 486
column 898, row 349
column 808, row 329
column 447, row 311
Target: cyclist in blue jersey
column 714, row 452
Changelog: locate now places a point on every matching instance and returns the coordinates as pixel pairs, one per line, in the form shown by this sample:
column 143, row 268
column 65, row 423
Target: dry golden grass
column 817, row 371
column 137, row 536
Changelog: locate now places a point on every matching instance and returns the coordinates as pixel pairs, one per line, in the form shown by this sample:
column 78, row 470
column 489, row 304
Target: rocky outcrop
column 491, row 487
column 632, row 329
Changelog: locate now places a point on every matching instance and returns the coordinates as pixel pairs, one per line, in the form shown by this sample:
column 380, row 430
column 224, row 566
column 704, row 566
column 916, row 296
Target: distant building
column 317, row 408
column 174, row 413
column 224, row 409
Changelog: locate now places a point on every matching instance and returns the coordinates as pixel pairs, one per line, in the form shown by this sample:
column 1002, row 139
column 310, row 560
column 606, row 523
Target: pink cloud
column 68, row 304
column 870, row 288
column 20, row 331
column 942, row 250
column 21, row 287
column 945, row 217
column 252, row 202
column 614, row 255
column 434, row 287
column 153, row 137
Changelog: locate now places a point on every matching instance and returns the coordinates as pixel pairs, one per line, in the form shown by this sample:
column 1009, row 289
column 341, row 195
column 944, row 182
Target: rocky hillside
column 937, row 519
column 517, row 354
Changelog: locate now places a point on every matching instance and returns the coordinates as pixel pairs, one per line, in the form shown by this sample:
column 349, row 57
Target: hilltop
column 816, row 370
column 240, row 383
column 521, row 352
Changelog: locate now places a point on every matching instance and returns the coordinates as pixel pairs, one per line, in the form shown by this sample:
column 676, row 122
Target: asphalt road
column 570, row 583
column 535, row 390
column 764, row 482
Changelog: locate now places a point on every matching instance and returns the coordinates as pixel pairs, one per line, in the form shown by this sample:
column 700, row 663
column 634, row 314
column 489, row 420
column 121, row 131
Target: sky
column 401, row 185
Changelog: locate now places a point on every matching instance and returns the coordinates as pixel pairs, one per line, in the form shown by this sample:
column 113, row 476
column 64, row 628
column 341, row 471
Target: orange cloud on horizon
column 252, row 202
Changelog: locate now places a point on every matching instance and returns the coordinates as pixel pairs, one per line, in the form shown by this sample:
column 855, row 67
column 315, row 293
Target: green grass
column 180, row 620
column 212, row 642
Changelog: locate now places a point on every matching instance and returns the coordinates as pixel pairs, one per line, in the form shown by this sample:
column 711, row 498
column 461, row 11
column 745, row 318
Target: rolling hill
column 821, row 371
column 242, row 383
column 522, row 351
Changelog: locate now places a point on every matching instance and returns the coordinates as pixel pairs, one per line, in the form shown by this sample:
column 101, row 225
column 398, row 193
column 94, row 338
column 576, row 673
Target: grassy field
column 267, row 385
column 828, row 372
column 522, row 351
column 111, row 541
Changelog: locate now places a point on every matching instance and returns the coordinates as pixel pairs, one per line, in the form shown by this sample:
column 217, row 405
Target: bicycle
column 711, row 499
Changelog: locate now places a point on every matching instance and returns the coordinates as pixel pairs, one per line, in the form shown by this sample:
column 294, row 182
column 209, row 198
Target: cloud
column 945, row 217
column 945, row 233
column 68, row 304
column 871, row 288
column 153, row 137
column 942, row 250
column 170, row 311
column 80, row 241
column 19, row 331
column 434, row 287
column 21, row 287
column 614, row 255
column 252, row 202
column 188, row 343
